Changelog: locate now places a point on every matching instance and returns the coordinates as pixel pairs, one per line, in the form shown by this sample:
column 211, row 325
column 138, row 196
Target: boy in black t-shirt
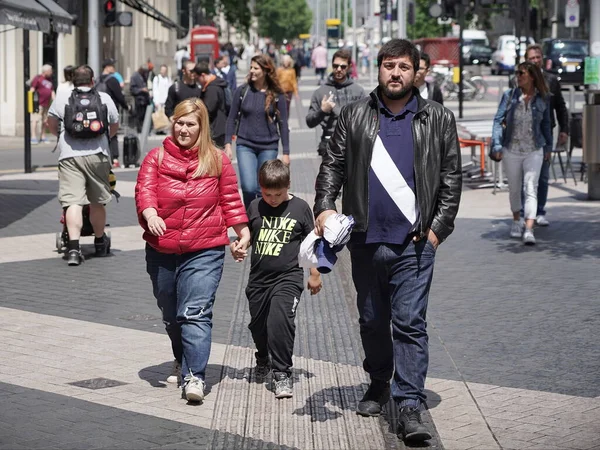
column 278, row 223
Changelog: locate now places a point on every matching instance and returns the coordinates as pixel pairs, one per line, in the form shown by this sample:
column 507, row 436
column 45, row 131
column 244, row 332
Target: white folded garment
column 307, row 257
column 338, row 228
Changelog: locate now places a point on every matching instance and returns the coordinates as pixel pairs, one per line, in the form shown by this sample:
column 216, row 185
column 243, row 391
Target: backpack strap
column 243, row 93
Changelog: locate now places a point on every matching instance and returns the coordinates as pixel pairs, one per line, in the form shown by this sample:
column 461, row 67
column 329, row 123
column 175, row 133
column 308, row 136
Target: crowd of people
column 400, row 182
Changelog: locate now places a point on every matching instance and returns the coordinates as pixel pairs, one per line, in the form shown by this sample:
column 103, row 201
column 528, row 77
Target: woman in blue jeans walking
column 258, row 119
column 186, row 197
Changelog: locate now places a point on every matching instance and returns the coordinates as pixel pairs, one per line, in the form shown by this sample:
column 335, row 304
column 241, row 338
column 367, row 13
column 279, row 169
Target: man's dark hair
column 399, row 47
column 274, row 174
column 68, row 72
column 425, row 57
column 83, row 76
column 202, row 68
column 343, row 54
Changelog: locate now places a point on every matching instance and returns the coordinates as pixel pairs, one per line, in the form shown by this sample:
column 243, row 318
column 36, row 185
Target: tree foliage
column 425, row 25
column 283, row 19
column 237, row 12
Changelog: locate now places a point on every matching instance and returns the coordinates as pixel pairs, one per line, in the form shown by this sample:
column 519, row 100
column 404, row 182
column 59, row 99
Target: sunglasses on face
column 521, row 72
column 340, row 66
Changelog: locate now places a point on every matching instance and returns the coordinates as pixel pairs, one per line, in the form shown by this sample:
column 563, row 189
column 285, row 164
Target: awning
column 61, row 19
column 40, row 15
column 150, row 11
column 27, row 14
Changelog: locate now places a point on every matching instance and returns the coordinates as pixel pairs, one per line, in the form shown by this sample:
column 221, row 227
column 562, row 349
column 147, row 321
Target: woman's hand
column 228, row 151
column 156, row 226
column 286, row 159
column 239, row 248
column 498, row 155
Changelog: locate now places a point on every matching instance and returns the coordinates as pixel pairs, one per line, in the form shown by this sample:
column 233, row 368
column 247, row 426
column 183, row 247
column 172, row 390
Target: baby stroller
column 62, row 237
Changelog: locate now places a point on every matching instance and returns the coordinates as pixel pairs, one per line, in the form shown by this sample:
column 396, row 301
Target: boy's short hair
column 274, row 174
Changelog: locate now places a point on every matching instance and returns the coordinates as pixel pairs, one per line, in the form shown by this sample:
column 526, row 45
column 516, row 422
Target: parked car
column 565, row 58
column 478, row 55
column 503, row 58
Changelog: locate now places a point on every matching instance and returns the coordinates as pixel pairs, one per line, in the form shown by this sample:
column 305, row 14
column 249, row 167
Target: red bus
column 204, row 44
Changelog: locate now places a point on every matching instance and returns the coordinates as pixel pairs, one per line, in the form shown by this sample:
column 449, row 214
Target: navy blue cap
column 326, row 256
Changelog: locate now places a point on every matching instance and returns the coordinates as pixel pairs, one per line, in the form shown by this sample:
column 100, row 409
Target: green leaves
column 283, row 19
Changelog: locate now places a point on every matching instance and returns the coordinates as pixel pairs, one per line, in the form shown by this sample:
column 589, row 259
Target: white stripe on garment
column 393, row 182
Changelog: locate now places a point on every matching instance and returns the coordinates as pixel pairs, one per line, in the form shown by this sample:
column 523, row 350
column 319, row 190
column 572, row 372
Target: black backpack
column 86, row 117
column 101, row 85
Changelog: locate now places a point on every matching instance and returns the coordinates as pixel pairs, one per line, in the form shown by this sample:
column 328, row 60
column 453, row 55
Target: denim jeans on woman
column 392, row 284
column 523, row 173
column 250, row 161
column 185, row 287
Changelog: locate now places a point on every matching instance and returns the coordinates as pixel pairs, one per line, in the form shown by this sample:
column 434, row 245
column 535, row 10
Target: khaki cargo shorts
column 42, row 115
column 83, row 180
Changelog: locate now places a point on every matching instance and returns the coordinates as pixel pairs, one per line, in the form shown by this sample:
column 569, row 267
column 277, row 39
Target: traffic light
column 110, row 13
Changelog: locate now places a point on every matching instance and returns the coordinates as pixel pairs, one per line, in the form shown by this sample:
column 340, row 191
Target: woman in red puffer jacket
column 186, row 197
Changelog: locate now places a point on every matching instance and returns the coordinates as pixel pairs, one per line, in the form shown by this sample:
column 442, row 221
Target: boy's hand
column 239, row 249
column 314, row 284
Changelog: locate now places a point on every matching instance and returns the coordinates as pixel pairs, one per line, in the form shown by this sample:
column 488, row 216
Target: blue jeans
column 542, row 191
column 250, row 161
column 184, row 287
column 392, row 284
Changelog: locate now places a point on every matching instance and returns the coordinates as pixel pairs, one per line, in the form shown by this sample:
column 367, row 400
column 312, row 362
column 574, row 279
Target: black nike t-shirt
column 276, row 237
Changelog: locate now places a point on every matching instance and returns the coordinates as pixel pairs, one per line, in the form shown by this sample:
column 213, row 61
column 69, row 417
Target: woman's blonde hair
column 209, row 156
column 287, row 61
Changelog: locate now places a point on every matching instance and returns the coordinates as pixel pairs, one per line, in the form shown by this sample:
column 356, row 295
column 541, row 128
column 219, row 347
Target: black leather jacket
column 438, row 170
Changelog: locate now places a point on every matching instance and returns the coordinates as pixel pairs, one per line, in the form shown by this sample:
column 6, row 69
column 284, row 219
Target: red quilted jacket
column 196, row 211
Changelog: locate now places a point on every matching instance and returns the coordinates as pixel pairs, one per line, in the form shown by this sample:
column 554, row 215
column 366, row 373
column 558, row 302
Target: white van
column 503, row 58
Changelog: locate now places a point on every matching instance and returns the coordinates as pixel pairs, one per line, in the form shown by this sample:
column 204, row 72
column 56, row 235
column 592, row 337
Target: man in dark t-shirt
column 278, row 223
column 182, row 90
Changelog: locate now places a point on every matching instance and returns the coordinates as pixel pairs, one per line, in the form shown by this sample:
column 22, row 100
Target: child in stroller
column 62, row 237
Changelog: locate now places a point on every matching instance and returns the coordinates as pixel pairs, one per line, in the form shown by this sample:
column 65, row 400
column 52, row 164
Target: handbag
column 160, row 119
column 492, row 153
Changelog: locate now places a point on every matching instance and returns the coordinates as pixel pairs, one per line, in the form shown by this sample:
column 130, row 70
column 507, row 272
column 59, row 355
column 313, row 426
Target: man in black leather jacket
column 397, row 158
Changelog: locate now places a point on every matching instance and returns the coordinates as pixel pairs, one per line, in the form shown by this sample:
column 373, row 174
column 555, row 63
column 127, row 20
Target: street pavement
column 514, row 354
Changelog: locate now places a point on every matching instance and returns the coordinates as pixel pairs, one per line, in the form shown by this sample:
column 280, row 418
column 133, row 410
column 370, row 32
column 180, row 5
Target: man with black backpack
column 216, row 95
column 84, row 120
column 181, row 90
column 109, row 83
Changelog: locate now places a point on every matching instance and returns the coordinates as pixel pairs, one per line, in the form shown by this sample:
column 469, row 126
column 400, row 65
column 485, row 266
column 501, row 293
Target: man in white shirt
column 429, row 91
column 181, row 56
column 160, row 87
column 83, row 163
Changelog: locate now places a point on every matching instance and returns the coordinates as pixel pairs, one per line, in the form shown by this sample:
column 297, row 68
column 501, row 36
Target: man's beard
column 395, row 95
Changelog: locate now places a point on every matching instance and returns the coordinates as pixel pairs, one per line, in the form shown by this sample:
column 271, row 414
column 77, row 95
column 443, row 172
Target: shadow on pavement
column 571, row 239
column 14, row 207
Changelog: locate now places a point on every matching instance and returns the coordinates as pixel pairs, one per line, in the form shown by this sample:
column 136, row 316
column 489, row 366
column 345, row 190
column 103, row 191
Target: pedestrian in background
column 108, row 82
column 160, row 87
column 226, row 71
column 181, row 57
column 319, row 61
column 66, row 86
column 534, row 55
column 186, row 197
column 522, row 139
column 258, row 120
column 328, row 100
column 287, row 80
column 385, row 149
column 83, row 163
column 43, row 86
column 427, row 90
column 276, row 280
column 138, row 85
column 183, row 89
column 214, row 98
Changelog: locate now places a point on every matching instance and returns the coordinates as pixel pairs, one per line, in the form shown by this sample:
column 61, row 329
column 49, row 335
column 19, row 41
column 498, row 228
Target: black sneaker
column 376, row 396
column 75, row 257
column 410, row 425
column 262, row 369
column 283, row 385
column 102, row 246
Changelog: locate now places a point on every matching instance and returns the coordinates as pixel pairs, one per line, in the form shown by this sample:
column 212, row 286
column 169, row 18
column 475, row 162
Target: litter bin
column 591, row 128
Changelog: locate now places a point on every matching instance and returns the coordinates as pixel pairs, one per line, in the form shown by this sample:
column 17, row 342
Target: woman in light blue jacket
column 522, row 138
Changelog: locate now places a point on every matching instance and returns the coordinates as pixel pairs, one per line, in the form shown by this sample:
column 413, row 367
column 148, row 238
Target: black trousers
column 113, row 144
column 272, row 324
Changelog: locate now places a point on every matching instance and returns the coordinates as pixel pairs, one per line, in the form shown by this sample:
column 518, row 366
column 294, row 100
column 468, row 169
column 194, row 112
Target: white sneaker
column 528, row 237
column 516, row 229
column 175, row 376
column 541, row 221
column 193, row 388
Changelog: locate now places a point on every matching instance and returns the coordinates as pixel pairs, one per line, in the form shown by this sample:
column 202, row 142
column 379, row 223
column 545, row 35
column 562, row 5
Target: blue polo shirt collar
column 411, row 107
